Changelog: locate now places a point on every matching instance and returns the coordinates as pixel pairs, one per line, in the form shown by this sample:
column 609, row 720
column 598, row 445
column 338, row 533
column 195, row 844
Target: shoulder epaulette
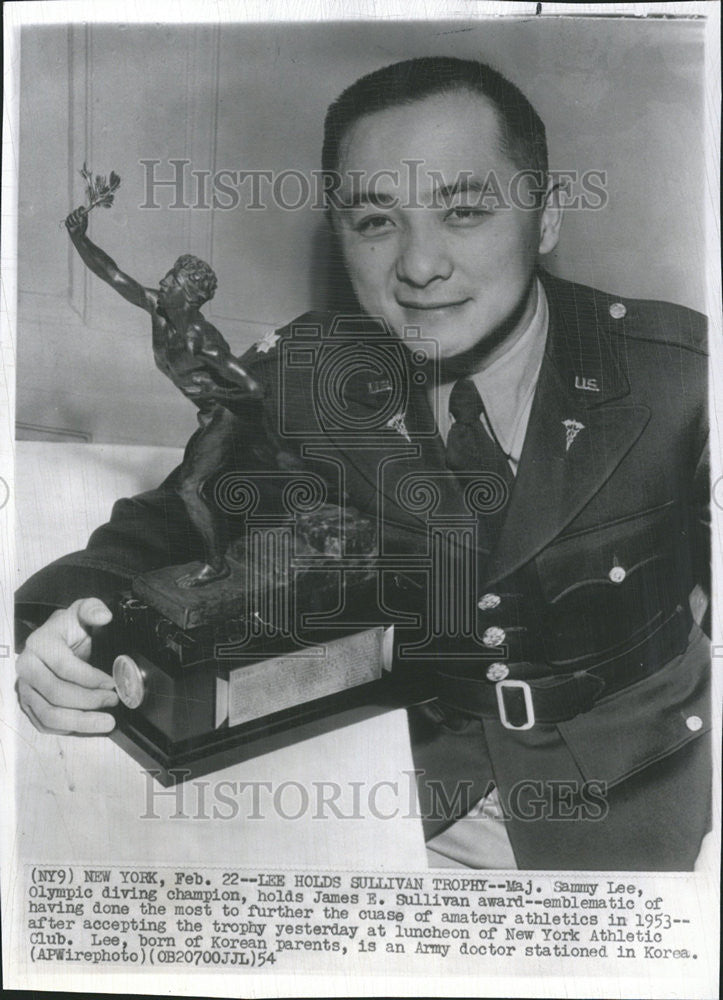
column 634, row 319
column 660, row 322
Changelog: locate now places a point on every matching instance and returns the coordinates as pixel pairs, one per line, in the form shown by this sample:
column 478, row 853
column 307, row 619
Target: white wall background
column 625, row 97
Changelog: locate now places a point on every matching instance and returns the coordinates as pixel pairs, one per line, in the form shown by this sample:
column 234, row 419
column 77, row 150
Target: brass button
column 129, row 681
column 494, row 636
column 489, row 601
column 618, row 310
column 497, row 671
column 617, row 574
column 694, row 723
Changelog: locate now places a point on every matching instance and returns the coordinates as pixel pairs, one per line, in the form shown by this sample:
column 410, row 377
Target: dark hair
column 200, row 277
column 521, row 128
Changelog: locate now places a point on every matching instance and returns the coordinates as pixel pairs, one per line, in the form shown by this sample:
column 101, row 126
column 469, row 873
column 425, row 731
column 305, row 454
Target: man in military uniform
column 565, row 427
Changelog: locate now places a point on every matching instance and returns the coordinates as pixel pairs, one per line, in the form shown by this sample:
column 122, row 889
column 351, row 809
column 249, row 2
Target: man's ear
column 550, row 218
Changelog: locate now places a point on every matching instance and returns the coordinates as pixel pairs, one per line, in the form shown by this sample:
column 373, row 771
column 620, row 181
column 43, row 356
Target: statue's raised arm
column 104, row 266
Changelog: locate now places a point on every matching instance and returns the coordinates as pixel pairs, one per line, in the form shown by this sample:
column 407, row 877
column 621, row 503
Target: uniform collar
column 581, row 425
column 580, row 345
column 584, row 328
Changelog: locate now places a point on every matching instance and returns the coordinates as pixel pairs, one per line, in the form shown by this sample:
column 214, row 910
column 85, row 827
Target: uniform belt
column 519, row 704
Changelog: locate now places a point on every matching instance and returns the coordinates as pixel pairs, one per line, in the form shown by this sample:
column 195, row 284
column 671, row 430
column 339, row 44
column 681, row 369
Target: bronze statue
column 192, row 353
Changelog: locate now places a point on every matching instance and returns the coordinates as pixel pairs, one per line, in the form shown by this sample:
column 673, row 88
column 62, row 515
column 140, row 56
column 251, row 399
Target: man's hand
column 77, row 222
column 58, row 689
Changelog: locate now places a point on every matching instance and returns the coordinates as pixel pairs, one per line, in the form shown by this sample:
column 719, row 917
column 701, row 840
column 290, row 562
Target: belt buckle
column 529, row 707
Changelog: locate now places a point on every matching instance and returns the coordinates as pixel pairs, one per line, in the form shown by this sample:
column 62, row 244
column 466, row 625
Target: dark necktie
column 470, row 448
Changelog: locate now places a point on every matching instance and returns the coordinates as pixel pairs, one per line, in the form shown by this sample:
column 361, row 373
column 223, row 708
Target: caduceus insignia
column 572, row 429
column 396, row 423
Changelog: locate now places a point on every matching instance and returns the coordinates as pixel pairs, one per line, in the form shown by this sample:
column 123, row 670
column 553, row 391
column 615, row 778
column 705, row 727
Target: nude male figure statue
column 193, row 354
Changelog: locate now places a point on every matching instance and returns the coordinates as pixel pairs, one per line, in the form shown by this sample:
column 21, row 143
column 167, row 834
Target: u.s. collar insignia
column 266, row 343
column 572, row 429
column 589, row 384
column 396, row 423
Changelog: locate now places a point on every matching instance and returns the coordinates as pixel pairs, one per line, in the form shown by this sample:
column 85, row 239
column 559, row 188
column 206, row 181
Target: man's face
column 460, row 267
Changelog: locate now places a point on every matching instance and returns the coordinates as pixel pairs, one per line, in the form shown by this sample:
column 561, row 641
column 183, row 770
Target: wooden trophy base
column 205, row 680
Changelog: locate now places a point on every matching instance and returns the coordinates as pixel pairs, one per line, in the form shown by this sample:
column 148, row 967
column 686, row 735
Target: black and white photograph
column 360, row 493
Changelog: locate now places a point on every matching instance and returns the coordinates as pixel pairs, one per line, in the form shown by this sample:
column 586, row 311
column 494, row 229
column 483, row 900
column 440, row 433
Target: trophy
column 276, row 634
